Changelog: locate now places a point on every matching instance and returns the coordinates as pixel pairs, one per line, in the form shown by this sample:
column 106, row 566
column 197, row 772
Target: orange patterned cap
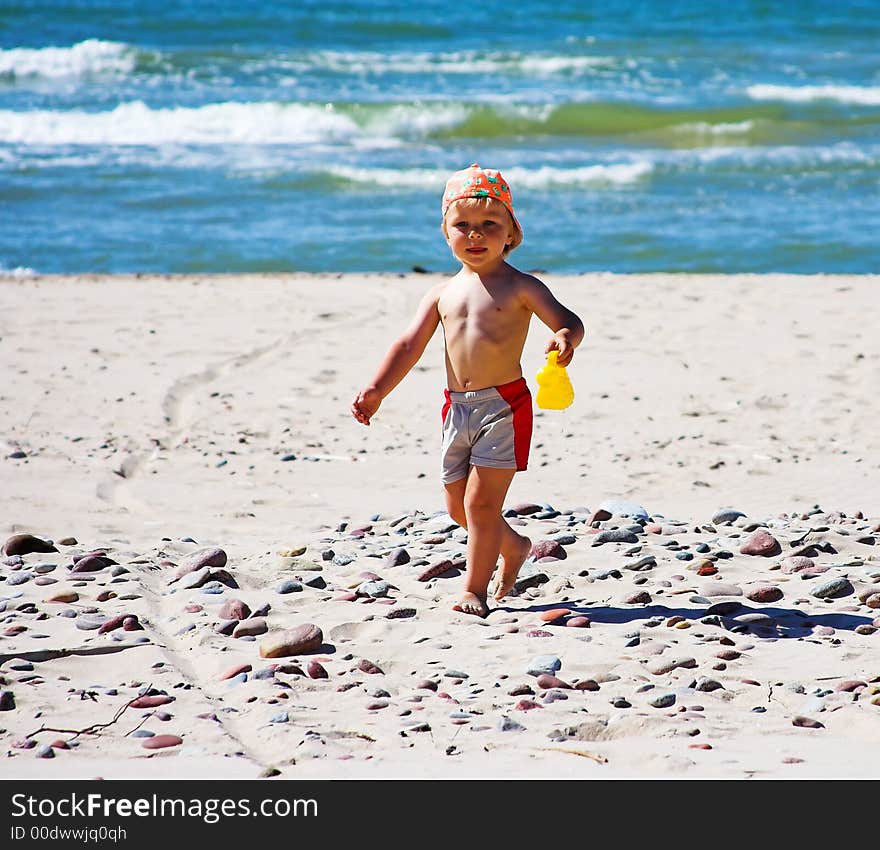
column 476, row 182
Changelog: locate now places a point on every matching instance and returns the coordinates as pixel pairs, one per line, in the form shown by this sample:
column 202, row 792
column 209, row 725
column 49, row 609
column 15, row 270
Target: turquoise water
column 316, row 136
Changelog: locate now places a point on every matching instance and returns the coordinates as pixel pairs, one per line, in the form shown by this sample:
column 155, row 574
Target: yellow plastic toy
column 555, row 391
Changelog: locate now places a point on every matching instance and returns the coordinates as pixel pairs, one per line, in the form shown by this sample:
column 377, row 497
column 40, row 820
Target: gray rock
column 615, row 535
column 726, row 516
column 289, row 585
column 833, row 588
column 621, row 507
column 663, row 701
column 544, row 664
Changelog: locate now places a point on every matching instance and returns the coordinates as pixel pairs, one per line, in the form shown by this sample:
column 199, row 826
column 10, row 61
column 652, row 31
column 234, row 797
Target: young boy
column 487, row 418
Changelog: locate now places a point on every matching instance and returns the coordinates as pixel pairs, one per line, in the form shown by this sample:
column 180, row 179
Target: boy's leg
column 485, row 490
column 515, row 547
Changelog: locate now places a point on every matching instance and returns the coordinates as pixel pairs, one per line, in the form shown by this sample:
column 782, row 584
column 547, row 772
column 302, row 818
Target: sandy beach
column 183, row 448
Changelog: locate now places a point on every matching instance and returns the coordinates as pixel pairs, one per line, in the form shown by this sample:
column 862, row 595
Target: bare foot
column 509, row 570
column 471, row 604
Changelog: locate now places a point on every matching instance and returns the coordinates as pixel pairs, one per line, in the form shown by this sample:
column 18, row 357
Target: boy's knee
column 477, row 505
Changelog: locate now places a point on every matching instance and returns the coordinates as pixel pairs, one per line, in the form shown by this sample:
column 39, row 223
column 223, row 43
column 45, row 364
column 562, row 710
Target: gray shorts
column 490, row 427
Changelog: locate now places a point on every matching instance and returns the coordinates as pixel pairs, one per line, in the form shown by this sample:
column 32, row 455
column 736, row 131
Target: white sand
column 154, row 407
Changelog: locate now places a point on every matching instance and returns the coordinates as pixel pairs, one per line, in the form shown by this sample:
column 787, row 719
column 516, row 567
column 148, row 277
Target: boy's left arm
column 568, row 329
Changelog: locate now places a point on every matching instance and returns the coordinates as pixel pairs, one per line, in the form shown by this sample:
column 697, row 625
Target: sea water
column 316, row 136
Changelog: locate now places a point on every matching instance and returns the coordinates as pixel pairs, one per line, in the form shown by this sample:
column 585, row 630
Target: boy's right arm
column 403, row 354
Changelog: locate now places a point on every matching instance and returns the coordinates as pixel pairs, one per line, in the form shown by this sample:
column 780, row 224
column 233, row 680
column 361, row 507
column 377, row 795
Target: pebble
column 18, row 578
column 151, row 701
column 368, row 667
column 301, row 639
column 234, row 609
column 762, row 543
column 554, row 614
column 833, row 588
column 663, row 701
column 807, row 722
column 159, row 742
column 376, row 589
column 765, row 593
column 251, row 627
column 507, row 724
column 25, row 544
column 7, row 701
column 661, row 666
column 615, row 535
column 622, row 507
column 578, row 623
column 316, row 670
column 641, row 597
column 726, row 516
column 548, row 549
column 236, row 671
column 796, row 563
column 435, row 570
column 547, row 681
column 400, row 613
column 544, row 664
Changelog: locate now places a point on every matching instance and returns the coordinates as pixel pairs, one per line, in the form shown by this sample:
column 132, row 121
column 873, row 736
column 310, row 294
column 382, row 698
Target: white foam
column 724, row 129
column 136, row 123
column 464, row 62
column 92, row 56
column 862, row 95
column 537, row 178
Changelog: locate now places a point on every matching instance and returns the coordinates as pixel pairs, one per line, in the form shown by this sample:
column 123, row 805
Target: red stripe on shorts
column 517, row 395
column 446, row 405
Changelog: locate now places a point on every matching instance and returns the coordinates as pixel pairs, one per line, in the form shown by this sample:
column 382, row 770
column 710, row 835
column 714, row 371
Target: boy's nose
column 474, row 232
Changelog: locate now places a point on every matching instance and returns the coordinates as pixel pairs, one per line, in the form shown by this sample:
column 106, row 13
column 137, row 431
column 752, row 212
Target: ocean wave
column 86, row 58
column 464, row 62
column 136, row 123
column 386, row 125
column 530, row 178
column 859, row 95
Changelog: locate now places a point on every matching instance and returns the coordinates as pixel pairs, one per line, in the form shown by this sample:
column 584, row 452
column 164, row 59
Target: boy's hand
column 365, row 405
column 560, row 342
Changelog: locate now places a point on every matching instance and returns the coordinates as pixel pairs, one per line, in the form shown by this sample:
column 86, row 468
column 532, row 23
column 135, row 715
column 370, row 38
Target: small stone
column 400, row 613
column 87, row 622
column 507, row 724
column 833, row 588
column 159, row 742
column 301, row 639
column 554, row 614
column 578, row 623
column 316, row 670
column 234, row 609
column 251, row 627
column 761, row 542
column 546, row 681
column 587, row 685
column 663, row 701
column 439, row 569
column 366, row 666
column 151, row 701
column 544, row 664
column 7, row 701
column 232, row 672
column 796, row 563
column 526, row 705
column 615, row 535
column 396, row 558
column 765, row 593
column 641, row 597
column 661, row 666
column 548, row 549
column 726, row 516
column 24, row 544
column 807, row 723
column 622, row 507
column 376, row 589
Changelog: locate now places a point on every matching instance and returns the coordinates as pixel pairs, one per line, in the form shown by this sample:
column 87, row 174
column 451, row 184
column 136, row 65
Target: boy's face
column 477, row 231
